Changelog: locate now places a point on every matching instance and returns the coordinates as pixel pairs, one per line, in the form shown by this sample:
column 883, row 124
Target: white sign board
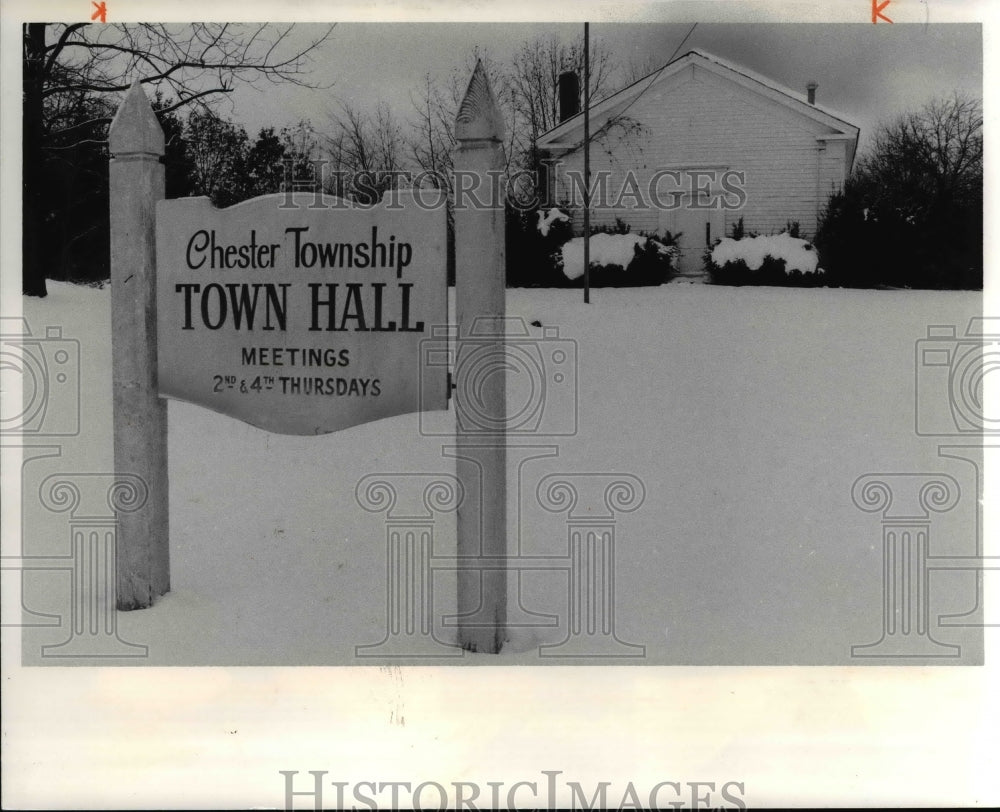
column 301, row 315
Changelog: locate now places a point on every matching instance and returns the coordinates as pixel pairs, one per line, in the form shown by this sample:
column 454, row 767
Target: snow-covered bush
column 775, row 259
column 541, row 252
column 546, row 219
column 798, row 255
column 621, row 259
column 533, row 242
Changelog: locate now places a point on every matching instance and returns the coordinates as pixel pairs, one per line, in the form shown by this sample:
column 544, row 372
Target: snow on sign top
column 301, row 318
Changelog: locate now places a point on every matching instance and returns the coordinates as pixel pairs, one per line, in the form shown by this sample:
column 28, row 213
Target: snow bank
column 799, row 255
column 545, row 221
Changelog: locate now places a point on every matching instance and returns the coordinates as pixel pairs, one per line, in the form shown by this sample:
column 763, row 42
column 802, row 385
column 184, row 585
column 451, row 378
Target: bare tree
column 928, row 158
column 911, row 214
column 217, row 148
column 636, row 69
column 432, row 131
column 431, row 144
column 368, row 148
column 534, row 79
column 64, row 62
column 302, row 158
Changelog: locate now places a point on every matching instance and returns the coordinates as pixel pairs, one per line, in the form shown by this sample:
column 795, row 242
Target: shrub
column 532, row 256
column 535, row 255
column 739, row 231
column 911, row 214
column 620, row 227
column 772, row 272
column 780, row 260
column 868, row 244
column 622, row 260
column 655, row 261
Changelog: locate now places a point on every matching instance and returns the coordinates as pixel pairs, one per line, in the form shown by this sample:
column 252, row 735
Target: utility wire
column 656, row 75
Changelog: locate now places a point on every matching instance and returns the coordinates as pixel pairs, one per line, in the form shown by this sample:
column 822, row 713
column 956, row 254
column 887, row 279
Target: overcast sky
column 867, row 72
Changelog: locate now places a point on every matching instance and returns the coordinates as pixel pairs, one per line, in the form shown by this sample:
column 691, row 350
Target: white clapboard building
column 674, row 150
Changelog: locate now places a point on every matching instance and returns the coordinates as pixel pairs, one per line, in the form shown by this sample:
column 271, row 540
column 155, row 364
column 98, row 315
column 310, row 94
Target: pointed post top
column 135, row 128
column 479, row 116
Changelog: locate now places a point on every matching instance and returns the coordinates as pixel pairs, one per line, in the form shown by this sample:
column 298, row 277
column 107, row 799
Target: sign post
column 136, row 183
column 304, row 314
column 480, row 380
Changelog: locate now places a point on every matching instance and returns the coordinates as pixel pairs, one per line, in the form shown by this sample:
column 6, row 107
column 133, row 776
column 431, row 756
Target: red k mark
column 102, row 11
column 877, row 8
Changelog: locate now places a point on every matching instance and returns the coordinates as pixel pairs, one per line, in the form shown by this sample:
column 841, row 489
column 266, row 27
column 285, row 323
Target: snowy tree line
column 911, row 213
column 74, row 75
column 909, row 216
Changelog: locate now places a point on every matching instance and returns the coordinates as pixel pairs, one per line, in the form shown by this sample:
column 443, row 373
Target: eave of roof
column 555, row 138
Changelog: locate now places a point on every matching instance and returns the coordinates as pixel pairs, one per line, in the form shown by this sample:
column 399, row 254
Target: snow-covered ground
column 747, row 414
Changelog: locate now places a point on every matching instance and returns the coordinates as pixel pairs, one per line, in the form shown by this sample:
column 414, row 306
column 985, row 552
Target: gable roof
column 568, row 135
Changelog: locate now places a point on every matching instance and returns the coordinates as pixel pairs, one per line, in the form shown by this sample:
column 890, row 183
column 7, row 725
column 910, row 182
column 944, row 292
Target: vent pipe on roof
column 811, row 91
column 569, row 95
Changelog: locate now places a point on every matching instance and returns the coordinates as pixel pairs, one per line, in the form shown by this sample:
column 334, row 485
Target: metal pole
column 586, row 163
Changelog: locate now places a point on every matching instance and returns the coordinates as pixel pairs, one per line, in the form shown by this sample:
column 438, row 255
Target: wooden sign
column 298, row 314
column 303, row 315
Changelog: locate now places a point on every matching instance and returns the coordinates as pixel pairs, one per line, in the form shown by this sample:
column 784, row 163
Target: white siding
column 833, row 170
column 697, row 118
